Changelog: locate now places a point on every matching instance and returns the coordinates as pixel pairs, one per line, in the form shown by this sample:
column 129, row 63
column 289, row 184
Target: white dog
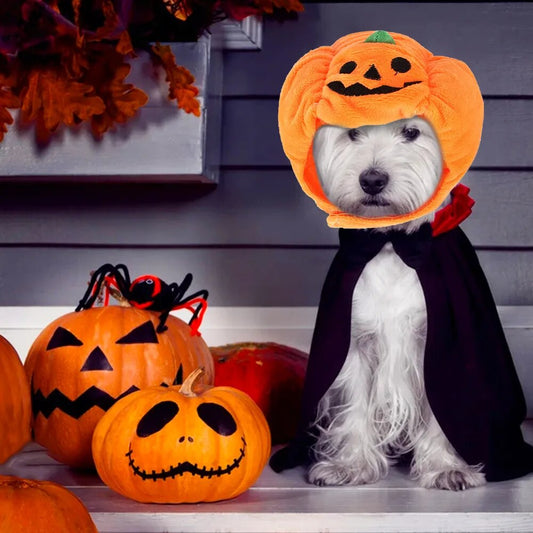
column 377, row 410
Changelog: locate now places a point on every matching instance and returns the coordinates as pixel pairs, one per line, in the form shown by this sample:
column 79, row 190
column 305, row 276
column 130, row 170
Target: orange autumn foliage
column 179, row 8
column 267, row 6
column 53, row 50
column 124, row 45
column 7, row 99
column 180, row 81
column 51, row 98
column 122, row 100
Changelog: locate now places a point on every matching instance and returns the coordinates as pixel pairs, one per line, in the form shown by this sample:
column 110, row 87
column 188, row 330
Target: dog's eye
column 353, row 134
column 410, row 134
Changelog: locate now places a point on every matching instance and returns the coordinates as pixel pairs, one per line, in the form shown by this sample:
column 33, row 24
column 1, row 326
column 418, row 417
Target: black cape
column 470, row 379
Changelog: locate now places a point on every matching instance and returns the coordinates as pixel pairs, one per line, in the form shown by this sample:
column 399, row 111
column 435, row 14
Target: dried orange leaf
column 124, row 45
column 5, row 118
column 52, row 99
column 267, row 6
column 180, row 81
column 76, row 6
column 74, row 58
column 122, row 100
column 179, row 8
column 7, row 99
column 54, row 4
column 111, row 23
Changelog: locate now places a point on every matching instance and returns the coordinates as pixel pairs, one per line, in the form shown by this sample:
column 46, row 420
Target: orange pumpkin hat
column 371, row 78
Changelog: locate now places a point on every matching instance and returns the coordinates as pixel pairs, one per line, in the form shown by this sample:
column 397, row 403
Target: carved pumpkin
column 84, row 361
column 15, row 405
column 176, row 445
column 271, row 374
column 28, row 505
column 375, row 78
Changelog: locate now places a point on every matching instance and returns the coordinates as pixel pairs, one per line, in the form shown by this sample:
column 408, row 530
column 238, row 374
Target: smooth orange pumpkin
column 182, row 444
column 84, row 361
column 31, row 506
column 15, row 402
column 371, row 78
column 271, row 374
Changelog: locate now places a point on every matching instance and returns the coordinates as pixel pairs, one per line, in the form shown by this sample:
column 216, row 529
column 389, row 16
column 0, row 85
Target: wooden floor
column 285, row 503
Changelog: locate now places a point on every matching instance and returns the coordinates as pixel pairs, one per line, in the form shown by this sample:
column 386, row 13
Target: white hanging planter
column 161, row 143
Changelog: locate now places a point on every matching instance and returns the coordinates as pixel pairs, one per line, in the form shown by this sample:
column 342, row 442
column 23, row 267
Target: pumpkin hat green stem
column 187, row 386
column 380, row 36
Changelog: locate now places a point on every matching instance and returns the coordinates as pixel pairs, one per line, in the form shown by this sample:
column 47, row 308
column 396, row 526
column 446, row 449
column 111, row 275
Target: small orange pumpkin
column 177, row 445
column 84, row 361
column 15, row 405
column 28, row 505
column 371, row 78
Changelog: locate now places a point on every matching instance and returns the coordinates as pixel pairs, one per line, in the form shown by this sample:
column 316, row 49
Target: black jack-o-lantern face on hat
column 375, row 74
column 174, row 446
column 83, row 362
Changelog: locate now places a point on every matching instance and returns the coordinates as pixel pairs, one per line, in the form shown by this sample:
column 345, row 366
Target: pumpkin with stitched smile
column 374, row 78
column 84, row 361
column 182, row 444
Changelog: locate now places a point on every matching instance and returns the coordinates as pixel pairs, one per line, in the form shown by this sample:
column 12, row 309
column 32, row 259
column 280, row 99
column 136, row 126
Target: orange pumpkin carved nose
column 97, row 360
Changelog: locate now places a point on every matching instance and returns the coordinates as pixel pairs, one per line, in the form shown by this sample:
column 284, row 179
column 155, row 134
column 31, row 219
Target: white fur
column 414, row 167
column 377, row 409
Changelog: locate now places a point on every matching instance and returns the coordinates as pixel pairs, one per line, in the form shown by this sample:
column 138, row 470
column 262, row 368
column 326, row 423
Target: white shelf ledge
column 285, row 502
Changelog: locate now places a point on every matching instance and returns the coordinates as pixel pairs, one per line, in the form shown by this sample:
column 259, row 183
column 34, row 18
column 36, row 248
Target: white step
column 285, row 503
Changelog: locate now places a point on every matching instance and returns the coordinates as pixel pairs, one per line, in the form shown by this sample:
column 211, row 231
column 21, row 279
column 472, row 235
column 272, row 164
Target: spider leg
column 173, row 293
column 162, row 321
column 122, row 278
column 199, row 294
column 174, row 299
column 125, row 272
column 183, row 286
column 95, row 285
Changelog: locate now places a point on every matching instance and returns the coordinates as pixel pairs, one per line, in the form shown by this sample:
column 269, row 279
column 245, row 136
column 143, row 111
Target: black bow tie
column 360, row 246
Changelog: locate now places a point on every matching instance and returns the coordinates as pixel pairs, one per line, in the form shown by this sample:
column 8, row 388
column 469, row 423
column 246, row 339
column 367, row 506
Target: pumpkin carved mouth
column 186, row 466
column 358, row 89
column 92, row 397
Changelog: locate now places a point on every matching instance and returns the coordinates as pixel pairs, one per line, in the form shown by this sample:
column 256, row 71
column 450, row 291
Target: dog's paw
column 329, row 474
column 452, row 479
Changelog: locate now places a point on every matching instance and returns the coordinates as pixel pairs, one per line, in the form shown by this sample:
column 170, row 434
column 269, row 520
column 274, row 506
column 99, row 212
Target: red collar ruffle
column 455, row 212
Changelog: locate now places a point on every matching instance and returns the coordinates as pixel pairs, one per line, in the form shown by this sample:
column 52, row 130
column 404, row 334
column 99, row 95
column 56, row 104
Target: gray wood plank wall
column 256, row 239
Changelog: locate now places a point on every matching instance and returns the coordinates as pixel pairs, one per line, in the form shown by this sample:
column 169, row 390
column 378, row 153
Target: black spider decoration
column 146, row 292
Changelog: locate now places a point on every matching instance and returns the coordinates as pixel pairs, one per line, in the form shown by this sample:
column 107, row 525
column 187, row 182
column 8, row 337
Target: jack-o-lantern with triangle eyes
column 84, row 361
column 182, row 444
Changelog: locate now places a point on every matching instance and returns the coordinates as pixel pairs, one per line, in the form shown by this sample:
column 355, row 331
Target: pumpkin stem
column 190, row 381
column 117, row 295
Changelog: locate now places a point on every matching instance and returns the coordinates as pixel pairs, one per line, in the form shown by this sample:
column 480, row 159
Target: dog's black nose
column 373, row 180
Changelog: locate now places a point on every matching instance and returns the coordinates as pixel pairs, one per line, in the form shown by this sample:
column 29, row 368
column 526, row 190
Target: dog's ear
column 297, row 117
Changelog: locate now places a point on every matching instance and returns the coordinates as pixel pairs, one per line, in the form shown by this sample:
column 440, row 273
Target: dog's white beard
column 413, row 167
